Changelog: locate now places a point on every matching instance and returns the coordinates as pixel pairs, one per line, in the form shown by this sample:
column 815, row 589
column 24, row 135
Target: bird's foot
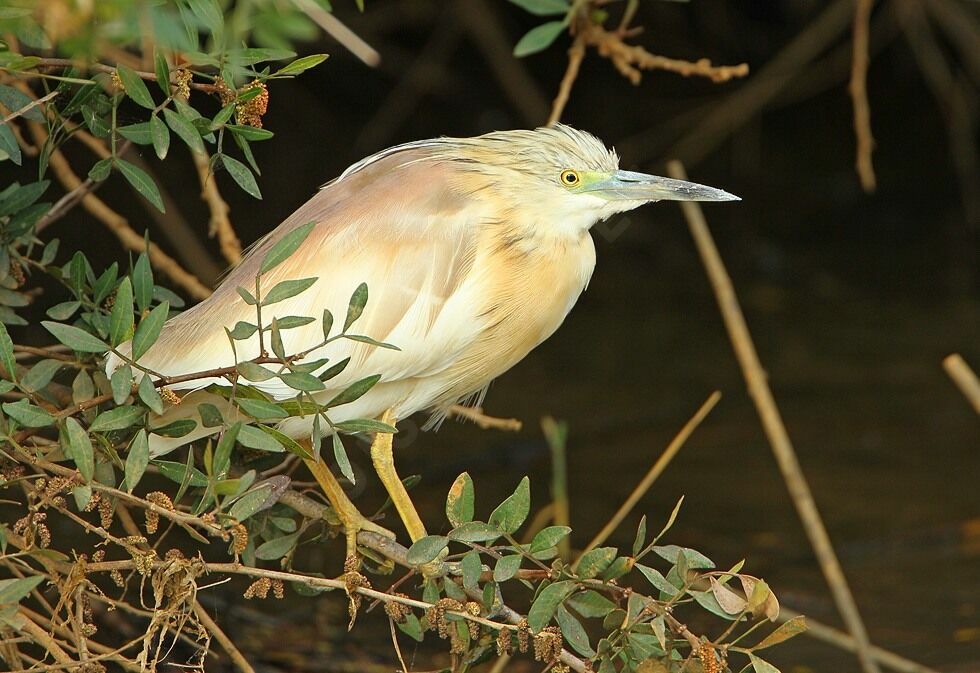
column 354, row 522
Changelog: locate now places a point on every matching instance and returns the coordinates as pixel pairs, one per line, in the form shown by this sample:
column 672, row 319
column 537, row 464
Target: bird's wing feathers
column 397, row 225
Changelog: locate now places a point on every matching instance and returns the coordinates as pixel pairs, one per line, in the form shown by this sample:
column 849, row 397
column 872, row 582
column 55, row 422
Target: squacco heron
column 473, row 249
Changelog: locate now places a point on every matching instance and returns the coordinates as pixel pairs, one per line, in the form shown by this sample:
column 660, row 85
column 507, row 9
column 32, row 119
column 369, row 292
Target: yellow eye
column 570, row 178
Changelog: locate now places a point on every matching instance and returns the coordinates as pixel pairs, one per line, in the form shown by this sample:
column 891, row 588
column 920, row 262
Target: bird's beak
column 630, row 186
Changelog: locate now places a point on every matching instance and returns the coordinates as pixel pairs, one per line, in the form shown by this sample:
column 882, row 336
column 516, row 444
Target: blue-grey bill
column 627, row 185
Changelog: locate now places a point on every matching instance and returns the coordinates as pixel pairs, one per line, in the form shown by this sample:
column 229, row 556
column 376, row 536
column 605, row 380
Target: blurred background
column 853, row 298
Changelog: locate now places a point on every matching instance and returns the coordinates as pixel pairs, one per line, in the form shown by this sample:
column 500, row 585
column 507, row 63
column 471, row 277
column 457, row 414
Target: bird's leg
column 349, row 515
column 384, row 465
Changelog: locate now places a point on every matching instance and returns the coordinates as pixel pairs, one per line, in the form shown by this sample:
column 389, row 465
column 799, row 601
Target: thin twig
column 338, row 31
column 859, row 95
column 30, row 106
column 772, row 423
column 655, row 471
column 219, row 224
column 576, row 54
column 237, row 658
column 101, row 67
column 964, row 378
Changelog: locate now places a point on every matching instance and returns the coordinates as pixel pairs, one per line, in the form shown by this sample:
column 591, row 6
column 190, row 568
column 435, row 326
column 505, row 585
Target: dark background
column 853, row 298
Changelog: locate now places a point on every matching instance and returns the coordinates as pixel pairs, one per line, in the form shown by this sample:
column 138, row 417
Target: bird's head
column 569, row 178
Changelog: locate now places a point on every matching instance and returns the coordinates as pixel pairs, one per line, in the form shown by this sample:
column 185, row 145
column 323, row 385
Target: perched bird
column 473, row 250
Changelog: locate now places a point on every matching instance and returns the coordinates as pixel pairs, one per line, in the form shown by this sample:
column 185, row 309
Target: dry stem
column 964, row 378
column 772, row 422
column 655, row 471
column 859, row 95
column 219, row 225
column 630, row 60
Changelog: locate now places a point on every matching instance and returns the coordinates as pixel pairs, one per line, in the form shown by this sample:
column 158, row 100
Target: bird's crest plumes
column 555, row 147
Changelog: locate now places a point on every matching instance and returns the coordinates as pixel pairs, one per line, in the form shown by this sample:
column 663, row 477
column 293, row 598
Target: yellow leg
column 384, row 465
column 352, row 519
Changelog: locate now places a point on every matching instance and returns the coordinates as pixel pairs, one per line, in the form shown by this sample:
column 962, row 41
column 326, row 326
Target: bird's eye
column 569, row 178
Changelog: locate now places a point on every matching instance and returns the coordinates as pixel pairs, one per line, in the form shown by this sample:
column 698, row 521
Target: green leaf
column 253, row 372
column 178, row 472
column 472, row 567
column 160, row 136
column 15, row 100
column 149, row 396
column 591, row 603
column 656, row 578
column 461, row 501
column 277, row 548
column 594, row 562
column 210, row 415
column 285, row 247
column 135, row 87
column 695, row 559
column 574, row 632
column 121, row 383
column 286, row 289
column 474, row 531
column 426, row 549
column 249, row 132
column 510, row 514
column 301, row 65
column 261, row 409
column 208, row 12
column 243, row 330
column 184, row 130
column 7, row 353
column 162, row 70
column 142, row 282
column 251, row 503
column 81, row 448
column 121, row 318
column 411, row 627
column 75, row 338
column 141, row 182
column 543, row 7
column 302, row 381
column 786, row 630
column 40, row 375
column 340, row 455
column 27, row 414
column 506, row 567
column 761, row 665
column 253, row 438
column 539, row 38
column 222, row 453
column 241, row 174
column 358, row 300
column 9, row 146
column 547, row 601
column 364, row 425
column 354, row 391
column 547, row 538
column 178, row 428
column 139, row 133
column 294, row 321
column 641, row 536
column 137, row 459
column 12, row 591
column 64, row 310
column 327, row 323
column 148, row 330
column 117, row 419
